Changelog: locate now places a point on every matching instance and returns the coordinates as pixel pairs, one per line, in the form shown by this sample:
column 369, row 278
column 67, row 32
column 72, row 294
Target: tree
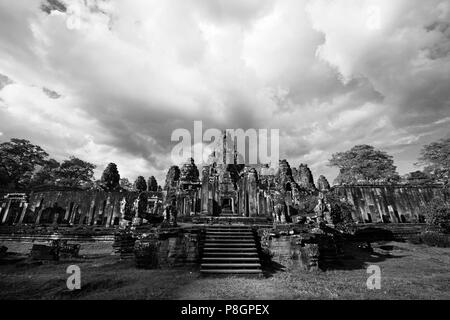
column 436, row 159
column 46, row 176
column 152, row 184
column 437, row 215
column 140, row 184
column 126, row 184
column 18, row 160
column 74, row 173
column 363, row 162
column 110, row 179
column 418, row 177
column 173, row 175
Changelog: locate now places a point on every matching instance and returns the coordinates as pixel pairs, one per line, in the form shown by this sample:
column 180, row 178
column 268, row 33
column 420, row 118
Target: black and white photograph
column 207, row 151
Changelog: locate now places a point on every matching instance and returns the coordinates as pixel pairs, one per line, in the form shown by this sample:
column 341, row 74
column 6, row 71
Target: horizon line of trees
column 364, row 163
column 26, row 166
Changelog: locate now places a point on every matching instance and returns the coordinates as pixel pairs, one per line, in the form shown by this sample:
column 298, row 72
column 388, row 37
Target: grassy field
column 408, row 272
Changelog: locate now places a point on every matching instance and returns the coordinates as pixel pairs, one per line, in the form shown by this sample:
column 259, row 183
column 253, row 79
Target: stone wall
column 169, row 250
column 390, row 203
column 292, row 252
column 75, row 207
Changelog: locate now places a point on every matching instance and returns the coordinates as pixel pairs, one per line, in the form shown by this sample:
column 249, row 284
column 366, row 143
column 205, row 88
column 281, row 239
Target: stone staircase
column 227, row 213
column 230, row 249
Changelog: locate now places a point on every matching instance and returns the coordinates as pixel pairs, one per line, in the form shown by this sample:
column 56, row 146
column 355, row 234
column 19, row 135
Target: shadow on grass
column 355, row 257
column 269, row 268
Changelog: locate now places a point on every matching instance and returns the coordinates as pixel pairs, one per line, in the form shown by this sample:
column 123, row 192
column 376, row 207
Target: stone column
column 91, row 213
column 232, row 205
column 73, row 213
column 288, row 211
column 5, row 216
column 38, row 219
column 110, row 210
column 68, row 212
column 24, row 211
column 257, row 204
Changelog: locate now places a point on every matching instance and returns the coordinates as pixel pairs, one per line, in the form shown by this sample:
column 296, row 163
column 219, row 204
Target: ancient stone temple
column 223, row 189
column 234, row 190
column 183, row 188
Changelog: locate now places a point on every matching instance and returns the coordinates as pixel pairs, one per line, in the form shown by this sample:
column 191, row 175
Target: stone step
column 218, row 236
column 216, row 240
column 230, row 249
column 216, row 249
column 231, row 226
column 226, row 233
column 206, row 259
column 232, row 271
column 230, row 254
column 230, row 230
column 230, row 245
column 230, row 265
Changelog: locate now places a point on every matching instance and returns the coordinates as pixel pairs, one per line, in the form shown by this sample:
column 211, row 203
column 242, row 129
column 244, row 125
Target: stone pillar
column 73, row 214
column 116, row 211
column 24, row 211
column 91, row 213
column 232, row 205
column 67, row 215
column 41, row 208
column 288, row 211
column 5, row 215
column 110, row 212
column 258, row 210
column 55, row 216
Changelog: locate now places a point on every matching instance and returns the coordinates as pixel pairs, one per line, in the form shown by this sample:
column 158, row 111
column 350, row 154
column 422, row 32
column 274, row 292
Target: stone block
column 3, row 251
column 43, row 252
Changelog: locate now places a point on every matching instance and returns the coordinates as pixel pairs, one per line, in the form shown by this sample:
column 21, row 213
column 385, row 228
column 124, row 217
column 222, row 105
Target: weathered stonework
column 389, row 203
column 167, row 250
column 304, row 177
column 323, row 184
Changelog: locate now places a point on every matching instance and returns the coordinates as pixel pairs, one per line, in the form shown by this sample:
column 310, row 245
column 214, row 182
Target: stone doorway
column 226, row 205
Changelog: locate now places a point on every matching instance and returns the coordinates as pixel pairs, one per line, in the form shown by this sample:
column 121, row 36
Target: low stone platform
column 387, row 231
column 231, row 220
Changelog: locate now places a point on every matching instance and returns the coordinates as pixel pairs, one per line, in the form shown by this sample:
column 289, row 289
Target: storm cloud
column 108, row 81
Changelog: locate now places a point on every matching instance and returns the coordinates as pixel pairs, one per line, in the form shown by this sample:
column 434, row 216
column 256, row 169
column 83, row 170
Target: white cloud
column 328, row 74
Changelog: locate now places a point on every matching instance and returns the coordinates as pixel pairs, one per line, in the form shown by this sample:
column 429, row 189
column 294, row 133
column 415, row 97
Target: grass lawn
column 408, row 271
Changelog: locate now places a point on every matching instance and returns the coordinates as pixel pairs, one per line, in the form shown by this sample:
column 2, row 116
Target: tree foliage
column 436, row 159
column 152, row 184
column 126, row 184
column 437, row 215
column 110, row 179
column 172, row 176
column 18, row 160
column 46, row 175
column 140, row 184
column 363, row 162
column 75, row 173
column 418, row 177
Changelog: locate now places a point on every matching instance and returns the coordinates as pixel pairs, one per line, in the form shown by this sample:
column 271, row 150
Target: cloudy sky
column 108, row 81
